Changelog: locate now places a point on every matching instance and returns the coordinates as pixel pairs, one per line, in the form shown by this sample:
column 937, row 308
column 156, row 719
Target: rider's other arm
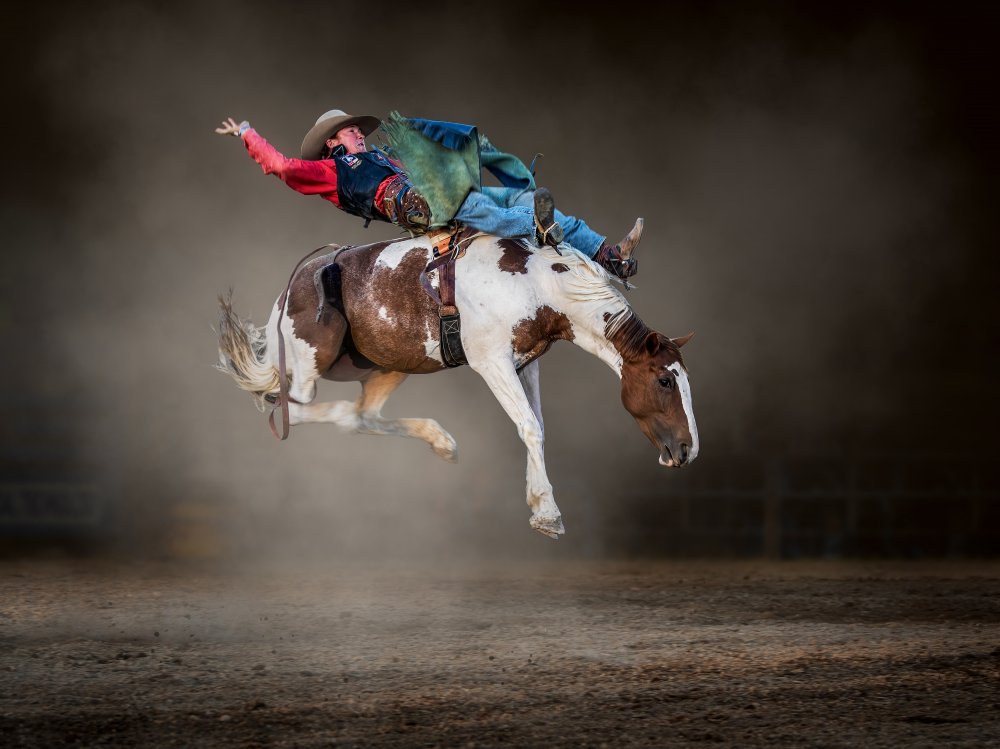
column 302, row 175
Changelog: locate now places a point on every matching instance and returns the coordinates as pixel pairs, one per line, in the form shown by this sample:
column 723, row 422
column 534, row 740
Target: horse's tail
column 243, row 353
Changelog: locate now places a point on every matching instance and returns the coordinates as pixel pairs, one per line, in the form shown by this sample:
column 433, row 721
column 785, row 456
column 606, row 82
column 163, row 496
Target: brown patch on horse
column 532, row 336
column 515, row 257
column 390, row 315
column 328, row 332
column 560, row 267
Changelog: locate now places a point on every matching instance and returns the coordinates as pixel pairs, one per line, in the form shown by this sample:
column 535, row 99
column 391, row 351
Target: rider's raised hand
column 229, row 127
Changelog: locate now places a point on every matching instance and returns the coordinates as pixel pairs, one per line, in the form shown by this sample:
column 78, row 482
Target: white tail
column 243, row 353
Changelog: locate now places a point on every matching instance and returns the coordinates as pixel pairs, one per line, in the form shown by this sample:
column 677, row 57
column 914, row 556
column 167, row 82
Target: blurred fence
column 47, row 494
column 45, row 508
column 726, row 505
column 808, row 506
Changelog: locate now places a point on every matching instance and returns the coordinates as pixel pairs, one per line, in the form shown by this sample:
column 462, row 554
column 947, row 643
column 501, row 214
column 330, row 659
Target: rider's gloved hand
column 416, row 214
column 229, row 127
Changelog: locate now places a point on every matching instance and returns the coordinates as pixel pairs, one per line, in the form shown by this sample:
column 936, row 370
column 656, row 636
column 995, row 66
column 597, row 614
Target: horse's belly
column 400, row 344
column 350, row 367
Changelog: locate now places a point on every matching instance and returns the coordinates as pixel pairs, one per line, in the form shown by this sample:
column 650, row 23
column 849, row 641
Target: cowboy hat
column 328, row 125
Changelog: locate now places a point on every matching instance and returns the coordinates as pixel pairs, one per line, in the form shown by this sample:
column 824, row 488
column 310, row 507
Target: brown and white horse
column 515, row 299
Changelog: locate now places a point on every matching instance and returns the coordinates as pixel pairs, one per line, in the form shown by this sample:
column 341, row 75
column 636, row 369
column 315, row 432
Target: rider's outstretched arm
column 302, row 175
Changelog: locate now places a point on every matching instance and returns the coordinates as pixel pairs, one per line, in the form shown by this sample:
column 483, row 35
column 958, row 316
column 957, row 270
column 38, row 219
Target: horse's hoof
column 447, row 450
column 551, row 525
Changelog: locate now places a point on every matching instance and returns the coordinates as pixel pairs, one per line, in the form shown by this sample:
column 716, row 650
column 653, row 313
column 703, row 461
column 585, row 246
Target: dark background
column 818, row 184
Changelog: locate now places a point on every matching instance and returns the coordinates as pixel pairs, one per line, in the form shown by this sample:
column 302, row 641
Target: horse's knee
column 531, row 434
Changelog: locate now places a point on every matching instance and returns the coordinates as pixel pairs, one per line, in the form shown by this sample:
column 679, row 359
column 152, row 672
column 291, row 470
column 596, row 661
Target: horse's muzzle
column 667, row 456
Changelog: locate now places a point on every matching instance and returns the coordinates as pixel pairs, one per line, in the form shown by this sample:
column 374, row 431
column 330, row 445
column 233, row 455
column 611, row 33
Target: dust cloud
column 811, row 208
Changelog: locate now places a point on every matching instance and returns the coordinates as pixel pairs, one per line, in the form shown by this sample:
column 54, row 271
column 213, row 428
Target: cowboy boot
column 617, row 259
column 547, row 229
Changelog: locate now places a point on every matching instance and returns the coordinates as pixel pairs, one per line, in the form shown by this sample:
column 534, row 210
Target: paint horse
column 377, row 326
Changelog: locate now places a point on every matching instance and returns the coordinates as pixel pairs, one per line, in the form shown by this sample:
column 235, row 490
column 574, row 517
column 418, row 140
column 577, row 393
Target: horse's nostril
column 684, row 453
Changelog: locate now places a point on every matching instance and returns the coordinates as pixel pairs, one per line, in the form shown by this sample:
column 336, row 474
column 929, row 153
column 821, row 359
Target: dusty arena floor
column 672, row 654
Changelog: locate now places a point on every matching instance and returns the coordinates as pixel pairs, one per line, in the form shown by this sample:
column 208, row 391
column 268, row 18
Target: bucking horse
column 361, row 314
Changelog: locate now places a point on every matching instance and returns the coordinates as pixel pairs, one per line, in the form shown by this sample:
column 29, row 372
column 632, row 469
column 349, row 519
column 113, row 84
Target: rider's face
column 350, row 137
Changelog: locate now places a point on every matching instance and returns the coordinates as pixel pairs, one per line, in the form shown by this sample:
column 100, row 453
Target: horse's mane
column 588, row 281
column 627, row 333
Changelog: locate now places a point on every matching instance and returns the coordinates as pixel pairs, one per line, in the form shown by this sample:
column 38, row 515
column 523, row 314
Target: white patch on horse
column 586, row 296
column 383, row 313
column 685, row 387
column 432, row 347
column 581, row 294
column 300, row 357
column 393, row 255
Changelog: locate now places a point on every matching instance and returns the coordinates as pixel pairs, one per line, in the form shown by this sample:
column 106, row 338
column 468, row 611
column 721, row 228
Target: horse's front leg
column 532, row 390
column 509, row 390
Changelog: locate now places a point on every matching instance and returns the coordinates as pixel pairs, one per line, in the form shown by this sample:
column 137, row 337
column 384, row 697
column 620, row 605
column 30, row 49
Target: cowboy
column 337, row 165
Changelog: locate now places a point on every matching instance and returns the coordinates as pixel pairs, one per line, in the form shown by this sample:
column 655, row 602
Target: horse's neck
column 590, row 320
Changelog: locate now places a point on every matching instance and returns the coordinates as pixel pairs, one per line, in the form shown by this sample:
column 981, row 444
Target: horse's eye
column 667, row 382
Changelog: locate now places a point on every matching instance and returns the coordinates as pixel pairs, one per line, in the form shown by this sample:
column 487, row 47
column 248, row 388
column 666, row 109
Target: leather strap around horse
column 283, row 396
column 445, row 263
column 452, row 352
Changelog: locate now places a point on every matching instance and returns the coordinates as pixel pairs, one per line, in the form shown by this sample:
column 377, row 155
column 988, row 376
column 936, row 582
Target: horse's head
column 655, row 390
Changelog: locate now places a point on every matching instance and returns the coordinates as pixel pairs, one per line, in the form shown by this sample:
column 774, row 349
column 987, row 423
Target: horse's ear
column 683, row 339
column 652, row 343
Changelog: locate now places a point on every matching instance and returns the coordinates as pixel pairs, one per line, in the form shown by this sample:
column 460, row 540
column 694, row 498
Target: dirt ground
column 586, row 654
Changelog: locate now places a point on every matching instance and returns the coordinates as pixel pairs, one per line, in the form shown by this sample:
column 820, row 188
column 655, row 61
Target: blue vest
column 358, row 178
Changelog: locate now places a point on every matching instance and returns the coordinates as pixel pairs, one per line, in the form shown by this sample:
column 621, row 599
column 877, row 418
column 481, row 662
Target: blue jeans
column 509, row 212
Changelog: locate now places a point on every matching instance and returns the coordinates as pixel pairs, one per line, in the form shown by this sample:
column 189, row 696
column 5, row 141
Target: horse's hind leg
column 311, row 345
column 376, row 389
column 364, row 415
column 342, row 413
column 312, row 348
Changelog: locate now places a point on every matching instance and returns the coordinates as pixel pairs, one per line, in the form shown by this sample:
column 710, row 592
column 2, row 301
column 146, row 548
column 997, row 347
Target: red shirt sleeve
column 302, row 175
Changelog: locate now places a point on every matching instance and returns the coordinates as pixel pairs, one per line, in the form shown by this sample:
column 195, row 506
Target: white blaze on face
column 685, row 388
column 383, row 314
